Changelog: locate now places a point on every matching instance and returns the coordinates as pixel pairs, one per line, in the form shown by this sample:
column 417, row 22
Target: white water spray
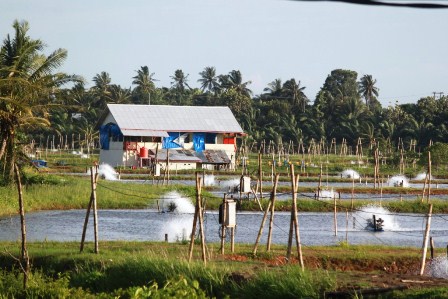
column 366, row 213
column 209, row 180
column 106, row 172
column 350, row 173
column 422, row 177
column 438, row 267
column 398, row 181
column 182, row 205
column 179, row 223
column 230, row 184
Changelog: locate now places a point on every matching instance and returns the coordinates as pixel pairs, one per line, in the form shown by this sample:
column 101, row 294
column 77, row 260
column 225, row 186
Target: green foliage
column 178, row 287
column 39, row 286
column 294, row 283
column 439, row 154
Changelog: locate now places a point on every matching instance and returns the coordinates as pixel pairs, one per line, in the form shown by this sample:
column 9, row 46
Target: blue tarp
column 169, row 142
column 199, row 142
column 107, row 131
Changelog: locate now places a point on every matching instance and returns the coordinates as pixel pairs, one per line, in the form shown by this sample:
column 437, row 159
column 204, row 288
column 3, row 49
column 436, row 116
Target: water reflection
column 150, row 225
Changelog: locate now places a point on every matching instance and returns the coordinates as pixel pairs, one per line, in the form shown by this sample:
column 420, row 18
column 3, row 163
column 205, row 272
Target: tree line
column 346, row 107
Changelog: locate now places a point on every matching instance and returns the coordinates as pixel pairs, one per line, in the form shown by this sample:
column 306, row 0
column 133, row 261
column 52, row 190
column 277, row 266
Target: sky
column 404, row 49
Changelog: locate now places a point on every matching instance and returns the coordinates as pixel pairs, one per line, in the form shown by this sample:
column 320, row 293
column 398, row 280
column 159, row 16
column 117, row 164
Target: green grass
column 74, row 193
column 123, row 269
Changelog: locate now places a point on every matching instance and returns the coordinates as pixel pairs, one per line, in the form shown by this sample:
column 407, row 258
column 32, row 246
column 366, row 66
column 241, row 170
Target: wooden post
column 95, row 211
column 431, row 246
column 86, row 221
column 201, row 219
column 294, row 224
column 223, row 223
column 260, row 175
column 320, row 182
column 346, row 226
column 198, row 216
column 271, row 219
column 353, row 189
column 195, row 220
column 429, row 177
column 335, row 217
column 425, row 240
column 232, row 239
column 92, row 204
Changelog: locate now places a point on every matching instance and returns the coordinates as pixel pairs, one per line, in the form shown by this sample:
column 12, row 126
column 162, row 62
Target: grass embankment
column 126, row 269
column 53, row 192
column 56, row 192
column 123, row 267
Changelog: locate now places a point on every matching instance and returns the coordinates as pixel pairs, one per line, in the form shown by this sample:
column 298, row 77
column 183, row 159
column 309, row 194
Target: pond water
column 151, row 225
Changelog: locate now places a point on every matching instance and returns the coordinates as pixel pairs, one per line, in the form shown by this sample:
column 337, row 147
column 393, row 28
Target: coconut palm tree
column 179, row 80
column 101, row 89
column 294, row 91
column 273, row 90
column 209, row 80
column 144, row 81
column 28, row 88
column 234, row 80
column 368, row 89
column 118, row 95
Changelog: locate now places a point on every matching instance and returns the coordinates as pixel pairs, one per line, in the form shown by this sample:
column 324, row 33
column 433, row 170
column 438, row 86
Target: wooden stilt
column 271, row 219
column 198, row 216
column 223, row 223
column 92, row 204
column 425, row 240
column 294, row 224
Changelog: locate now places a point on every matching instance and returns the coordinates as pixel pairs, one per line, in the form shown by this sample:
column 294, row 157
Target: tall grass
column 122, row 268
column 67, row 192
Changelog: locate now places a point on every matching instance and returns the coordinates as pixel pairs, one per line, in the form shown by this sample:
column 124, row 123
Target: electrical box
column 245, row 184
column 230, row 214
column 157, row 170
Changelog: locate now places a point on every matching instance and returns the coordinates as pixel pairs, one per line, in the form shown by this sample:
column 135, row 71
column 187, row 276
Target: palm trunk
column 25, row 260
column 3, row 146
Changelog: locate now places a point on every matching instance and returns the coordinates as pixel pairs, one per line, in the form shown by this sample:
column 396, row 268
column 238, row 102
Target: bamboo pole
column 425, row 240
column 294, row 224
column 429, row 177
column 201, row 220
column 232, row 239
column 335, row 217
column 346, row 226
column 95, row 211
column 93, row 181
column 260, row 231
column 198, row 216
column 260, row 175
column 223, row 223
column 271, row 219
column 195, row 220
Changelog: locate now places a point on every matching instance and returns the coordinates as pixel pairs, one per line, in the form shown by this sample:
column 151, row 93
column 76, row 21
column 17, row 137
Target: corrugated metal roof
column 183, row 155
column 139, row 132
column 175, row 118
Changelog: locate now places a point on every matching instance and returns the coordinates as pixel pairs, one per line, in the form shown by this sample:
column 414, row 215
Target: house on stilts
column 190, row 137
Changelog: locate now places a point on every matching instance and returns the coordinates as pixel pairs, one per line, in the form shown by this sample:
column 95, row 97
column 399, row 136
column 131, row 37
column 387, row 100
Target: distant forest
column 345, row 108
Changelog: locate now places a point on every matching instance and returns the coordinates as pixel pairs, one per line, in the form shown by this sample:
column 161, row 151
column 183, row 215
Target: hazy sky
column 405, row 49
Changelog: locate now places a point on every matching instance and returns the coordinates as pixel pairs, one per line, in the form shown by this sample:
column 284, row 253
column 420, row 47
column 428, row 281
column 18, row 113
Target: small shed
column 193, row 136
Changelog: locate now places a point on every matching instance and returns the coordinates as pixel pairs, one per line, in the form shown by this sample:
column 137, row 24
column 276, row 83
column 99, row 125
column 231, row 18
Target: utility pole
column 440, row 93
